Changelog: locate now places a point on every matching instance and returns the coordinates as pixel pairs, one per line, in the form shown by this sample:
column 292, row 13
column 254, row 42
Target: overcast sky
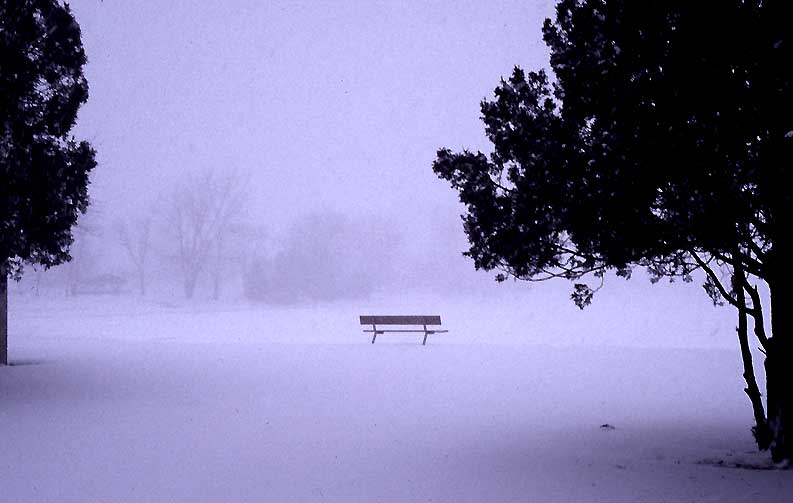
column 329, row 105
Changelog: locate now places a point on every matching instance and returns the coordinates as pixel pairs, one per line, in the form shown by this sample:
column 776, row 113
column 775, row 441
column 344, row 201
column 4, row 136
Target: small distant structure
column 101, row 284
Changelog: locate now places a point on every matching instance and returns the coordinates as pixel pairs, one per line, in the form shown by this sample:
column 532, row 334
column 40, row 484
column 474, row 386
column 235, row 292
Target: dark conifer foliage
column 44, row 175
column 664, row 140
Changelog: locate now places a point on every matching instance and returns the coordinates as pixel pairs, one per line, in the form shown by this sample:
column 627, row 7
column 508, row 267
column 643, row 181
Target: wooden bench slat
column 419, row 331
column 400, row 320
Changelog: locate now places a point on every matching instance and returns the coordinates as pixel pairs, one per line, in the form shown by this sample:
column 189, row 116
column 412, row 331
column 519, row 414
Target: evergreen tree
column 43, row 169
column 664, row 141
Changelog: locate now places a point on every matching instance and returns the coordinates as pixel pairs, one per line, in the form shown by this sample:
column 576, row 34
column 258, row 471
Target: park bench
column 402, row 321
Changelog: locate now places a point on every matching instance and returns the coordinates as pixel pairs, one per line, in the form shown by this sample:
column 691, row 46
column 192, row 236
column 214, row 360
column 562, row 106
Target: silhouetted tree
column 135, row 237
column 661, row 144
column 322, row 260
column 200, row 213
column 43, row 169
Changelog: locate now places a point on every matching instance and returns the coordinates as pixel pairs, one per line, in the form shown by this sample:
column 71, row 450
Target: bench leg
column 374, row 333
column 425, row 336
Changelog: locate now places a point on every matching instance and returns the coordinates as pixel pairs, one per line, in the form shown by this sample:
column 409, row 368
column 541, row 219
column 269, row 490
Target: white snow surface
column 123, row 400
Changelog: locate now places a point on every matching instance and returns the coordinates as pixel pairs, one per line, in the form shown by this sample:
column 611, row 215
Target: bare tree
column 135, row 238
column 199, row 215
column 229, row 249
column 88, row 227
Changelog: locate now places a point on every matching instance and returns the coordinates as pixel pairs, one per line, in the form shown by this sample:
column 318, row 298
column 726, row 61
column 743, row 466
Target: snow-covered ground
column 122, row 400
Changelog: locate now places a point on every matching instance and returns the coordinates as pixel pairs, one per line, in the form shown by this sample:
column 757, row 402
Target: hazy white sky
column 336, row 105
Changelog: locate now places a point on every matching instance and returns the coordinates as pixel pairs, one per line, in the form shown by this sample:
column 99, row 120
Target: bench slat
column 401, row 320
column 379, row 331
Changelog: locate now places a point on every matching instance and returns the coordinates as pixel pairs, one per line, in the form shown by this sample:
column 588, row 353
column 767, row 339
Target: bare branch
column 756, row 312
column 723, row 291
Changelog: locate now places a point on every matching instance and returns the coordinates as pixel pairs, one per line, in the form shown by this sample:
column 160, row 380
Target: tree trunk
column 216, row 273
column 761, row 433
column 779, row 359
column 779, row 382
column 216, row 279
column 3, row 317
column 189, row 285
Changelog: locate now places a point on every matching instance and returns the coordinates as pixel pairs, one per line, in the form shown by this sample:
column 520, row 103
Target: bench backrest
column 400, row 320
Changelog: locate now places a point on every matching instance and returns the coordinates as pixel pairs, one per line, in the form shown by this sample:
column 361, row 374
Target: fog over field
column 288, row 146
column 264, row 178
column 323, row 115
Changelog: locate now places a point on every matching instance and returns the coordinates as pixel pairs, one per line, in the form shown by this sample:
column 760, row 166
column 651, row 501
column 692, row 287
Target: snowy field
column 122, row 400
